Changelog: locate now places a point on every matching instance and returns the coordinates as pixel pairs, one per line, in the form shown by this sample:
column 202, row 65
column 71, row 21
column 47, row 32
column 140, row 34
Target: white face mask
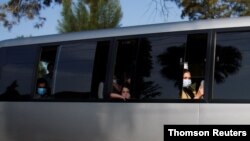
column 114, row 81
column 187, row 82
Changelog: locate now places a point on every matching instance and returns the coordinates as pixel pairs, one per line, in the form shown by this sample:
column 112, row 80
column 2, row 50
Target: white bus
column 74, row 103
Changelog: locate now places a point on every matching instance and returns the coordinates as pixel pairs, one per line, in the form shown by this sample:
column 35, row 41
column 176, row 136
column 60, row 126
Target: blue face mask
column 41, row 91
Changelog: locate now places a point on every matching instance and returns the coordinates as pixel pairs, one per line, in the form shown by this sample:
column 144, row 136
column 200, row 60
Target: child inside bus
column 42, row 87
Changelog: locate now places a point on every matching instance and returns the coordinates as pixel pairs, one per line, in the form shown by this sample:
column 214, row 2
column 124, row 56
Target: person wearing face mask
column 42, row 87
column 188, row 90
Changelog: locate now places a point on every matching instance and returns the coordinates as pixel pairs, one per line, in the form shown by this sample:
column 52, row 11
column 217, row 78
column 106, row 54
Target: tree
column 68, row 22
column 209, row 9
column 89, row 14
column 13, row 11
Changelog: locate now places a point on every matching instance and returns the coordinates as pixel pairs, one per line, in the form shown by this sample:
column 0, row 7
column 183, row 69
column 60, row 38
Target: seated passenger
column 119, row 92
column 188, row 89
column 42, row 87
column 124, row 94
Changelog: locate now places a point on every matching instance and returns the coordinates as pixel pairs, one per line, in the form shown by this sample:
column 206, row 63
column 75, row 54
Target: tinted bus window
column 45, row 72
column 125, row 69
column 74, row 70
column 160, row 65
column 100, row 70
column 232, row 66
column 18, row 72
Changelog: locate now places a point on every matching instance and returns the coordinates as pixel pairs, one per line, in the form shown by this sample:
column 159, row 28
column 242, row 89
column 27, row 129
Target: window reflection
column 162, row 55
column 125, row 70
column 232, row 65
column 17, row 72
column 160, row 64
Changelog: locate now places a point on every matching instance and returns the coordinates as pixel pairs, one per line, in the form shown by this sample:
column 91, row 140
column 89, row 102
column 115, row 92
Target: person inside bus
column 42, row 87
column 123, row 95
column 189, row 89
column 126, row 92
column 118, row 91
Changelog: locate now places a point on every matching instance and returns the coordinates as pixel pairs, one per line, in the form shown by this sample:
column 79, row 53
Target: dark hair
column 126, row 85
column 42, row 80
column 185, row 71
column 189, row 91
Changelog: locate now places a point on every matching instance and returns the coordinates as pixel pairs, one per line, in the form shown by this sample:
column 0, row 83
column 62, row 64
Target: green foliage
column 211, row 9
column 89, row 14
column 13, row 11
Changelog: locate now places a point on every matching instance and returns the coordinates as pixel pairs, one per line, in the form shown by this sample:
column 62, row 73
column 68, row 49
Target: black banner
column 171, row 131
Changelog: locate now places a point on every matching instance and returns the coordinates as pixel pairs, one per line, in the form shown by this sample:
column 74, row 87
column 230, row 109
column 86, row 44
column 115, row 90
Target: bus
column 58, row 87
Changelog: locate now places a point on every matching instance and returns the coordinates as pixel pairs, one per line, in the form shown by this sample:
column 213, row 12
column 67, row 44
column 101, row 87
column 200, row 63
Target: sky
column 135, row 12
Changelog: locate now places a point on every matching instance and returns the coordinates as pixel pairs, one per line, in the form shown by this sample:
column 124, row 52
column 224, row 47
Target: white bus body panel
column 67, row 121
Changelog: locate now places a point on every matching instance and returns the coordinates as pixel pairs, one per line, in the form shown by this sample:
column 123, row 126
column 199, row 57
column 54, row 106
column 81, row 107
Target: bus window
column 73, row 77
column 100, row 69
column 232, row 61
column 46, row 70
column 124, row 72
column 160, row 64
column 18, row 72
column 194, row 67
